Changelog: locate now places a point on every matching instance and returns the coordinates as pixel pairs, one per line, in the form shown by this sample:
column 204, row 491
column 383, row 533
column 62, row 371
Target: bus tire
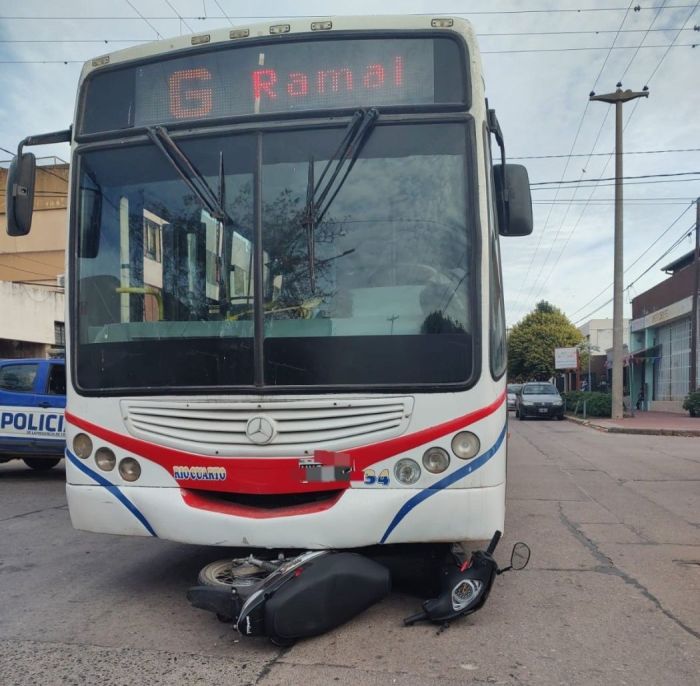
column 41, row 464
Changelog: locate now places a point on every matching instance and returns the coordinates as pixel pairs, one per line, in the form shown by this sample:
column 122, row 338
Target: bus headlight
column 466, row 445
column 407, row 471
column 129, row 469
column 82, row 446
column 436, row 460
column 105, row 459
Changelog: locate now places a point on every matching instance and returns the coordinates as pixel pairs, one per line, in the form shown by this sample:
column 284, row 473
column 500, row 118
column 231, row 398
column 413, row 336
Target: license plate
column 543, row 410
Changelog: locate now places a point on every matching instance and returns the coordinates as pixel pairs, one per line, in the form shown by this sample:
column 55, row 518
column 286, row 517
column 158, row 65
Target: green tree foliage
column 532, row 341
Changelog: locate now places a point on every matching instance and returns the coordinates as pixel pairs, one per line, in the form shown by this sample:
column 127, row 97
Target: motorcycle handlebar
column 494, row 542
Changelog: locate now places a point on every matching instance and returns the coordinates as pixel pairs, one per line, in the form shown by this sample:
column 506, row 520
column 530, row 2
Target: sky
column 541, row 60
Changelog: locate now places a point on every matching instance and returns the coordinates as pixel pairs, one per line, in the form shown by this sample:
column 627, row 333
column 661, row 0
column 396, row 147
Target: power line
column 579, row 10
column 610, row 185
column 613, row 178
column 483, row 52
column 663, row 233
column 668, row 46
column 566, row 166
column 636, row 52
column 603, row 154
column 128, row 2
column 686, row 233
column 221, row 9
column 636, row 104
column 479, row 35
column 182, row 19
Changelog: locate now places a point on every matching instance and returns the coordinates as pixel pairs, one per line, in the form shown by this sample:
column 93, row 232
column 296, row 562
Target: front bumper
column 360, row 517
column 545, row 411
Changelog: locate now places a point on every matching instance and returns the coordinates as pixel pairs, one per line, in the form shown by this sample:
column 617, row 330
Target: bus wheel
column 41, row 464
column 229, row 573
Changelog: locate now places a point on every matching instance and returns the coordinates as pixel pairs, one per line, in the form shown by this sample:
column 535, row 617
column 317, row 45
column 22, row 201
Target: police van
column 32, row 403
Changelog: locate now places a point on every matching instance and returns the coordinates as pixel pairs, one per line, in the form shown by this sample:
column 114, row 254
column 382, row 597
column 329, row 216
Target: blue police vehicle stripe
column 114, row 490
column 458, row 474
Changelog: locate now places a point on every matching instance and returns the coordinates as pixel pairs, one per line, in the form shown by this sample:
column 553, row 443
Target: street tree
column 532, row 341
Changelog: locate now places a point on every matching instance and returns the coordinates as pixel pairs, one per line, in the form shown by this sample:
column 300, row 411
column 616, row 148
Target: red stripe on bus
column 269, row 475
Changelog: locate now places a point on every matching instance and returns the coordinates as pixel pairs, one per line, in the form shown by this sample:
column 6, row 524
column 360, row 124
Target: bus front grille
column 289, row 427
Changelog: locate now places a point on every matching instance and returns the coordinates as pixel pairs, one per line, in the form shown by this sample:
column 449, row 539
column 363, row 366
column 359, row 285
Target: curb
column 630, row 430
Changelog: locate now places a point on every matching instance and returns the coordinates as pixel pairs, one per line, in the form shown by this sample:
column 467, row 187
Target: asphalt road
column 611, row 596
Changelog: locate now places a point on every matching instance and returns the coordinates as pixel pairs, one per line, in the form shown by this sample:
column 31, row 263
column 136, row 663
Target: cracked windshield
column 369, row 257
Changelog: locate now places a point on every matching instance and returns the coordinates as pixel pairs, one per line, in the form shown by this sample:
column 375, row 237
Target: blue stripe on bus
column 114, row 490
column 458, row 474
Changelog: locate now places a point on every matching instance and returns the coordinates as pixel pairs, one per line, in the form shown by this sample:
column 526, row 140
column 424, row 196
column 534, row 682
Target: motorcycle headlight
column 465, row 593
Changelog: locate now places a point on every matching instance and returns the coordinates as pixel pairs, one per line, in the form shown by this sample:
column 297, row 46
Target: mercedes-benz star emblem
column 260, row 430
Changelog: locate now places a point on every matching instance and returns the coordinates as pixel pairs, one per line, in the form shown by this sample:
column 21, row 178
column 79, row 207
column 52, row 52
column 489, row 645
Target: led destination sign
column 277, row 78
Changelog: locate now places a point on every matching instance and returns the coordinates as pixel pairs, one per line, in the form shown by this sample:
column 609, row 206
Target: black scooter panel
column 325, row 594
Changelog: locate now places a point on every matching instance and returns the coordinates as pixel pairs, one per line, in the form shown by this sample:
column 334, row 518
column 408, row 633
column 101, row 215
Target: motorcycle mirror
column 520, row 556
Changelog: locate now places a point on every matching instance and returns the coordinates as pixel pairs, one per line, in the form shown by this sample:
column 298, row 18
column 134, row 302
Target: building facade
column 661, row 341
column 32, row 320
column 599, row 340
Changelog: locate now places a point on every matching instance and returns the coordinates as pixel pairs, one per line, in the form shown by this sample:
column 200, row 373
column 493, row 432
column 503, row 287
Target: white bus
column 284, row 287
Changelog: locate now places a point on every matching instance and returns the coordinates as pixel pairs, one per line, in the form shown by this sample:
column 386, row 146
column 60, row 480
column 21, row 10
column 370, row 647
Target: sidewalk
column 651, row 423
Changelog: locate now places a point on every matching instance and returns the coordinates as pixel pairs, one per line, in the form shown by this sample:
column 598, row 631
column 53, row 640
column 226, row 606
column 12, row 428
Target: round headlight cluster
column 407, row 471
column 466, row 445
column 105, row 459
column 129, row 469
column 82, row 446
column 436, row 460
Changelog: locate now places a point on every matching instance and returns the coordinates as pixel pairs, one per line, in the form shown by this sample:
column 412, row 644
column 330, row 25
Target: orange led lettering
column 398, row 71
column 374, row 76
column 263, row 82
column 298, row 85
column 186, row 103
column 334, row 76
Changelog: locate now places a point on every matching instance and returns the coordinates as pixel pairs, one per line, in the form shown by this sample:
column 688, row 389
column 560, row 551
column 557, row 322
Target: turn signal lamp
column 82, row 446
column 105, row 459
column 129, row 469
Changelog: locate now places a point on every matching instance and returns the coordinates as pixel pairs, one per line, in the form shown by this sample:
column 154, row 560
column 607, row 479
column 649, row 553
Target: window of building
column 151, row 243
column 673, row 368
column 59, row 334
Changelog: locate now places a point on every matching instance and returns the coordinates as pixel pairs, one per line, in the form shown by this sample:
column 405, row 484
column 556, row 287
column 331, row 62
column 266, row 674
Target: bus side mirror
column 20, row 194
column 513, row 200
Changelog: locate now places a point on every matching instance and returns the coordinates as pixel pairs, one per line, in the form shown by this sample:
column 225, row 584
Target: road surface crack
column 607, row 566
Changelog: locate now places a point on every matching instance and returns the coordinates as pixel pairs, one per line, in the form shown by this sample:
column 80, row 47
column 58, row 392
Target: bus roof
column 283, row 27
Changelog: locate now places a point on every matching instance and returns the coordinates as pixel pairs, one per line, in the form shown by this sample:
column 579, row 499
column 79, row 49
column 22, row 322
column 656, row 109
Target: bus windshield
column 166, row 293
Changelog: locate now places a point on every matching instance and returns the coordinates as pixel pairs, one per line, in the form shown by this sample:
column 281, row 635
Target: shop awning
column 651, row 352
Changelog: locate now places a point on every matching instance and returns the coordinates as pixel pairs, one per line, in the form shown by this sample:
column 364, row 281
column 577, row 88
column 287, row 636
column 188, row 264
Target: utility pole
column 694, row 314
column 618, row 98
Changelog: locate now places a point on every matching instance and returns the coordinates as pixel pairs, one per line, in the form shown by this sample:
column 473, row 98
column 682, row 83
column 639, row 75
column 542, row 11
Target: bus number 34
column 371, row 478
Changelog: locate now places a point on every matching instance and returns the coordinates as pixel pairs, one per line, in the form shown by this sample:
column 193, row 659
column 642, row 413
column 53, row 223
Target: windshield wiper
column 188, row 172
column 317, row 200
column 213, row 204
